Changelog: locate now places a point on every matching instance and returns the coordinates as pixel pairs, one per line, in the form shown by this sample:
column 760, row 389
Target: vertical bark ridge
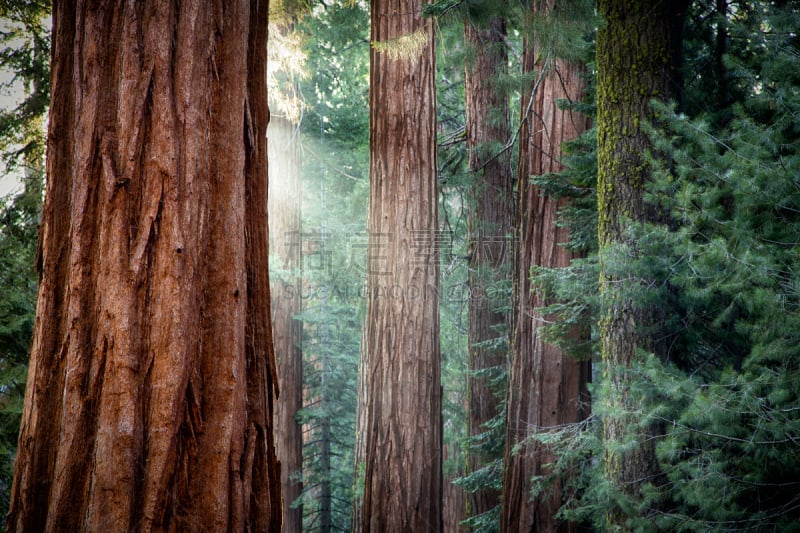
column 547, row 388
column 263, row 500
column 145, row 389
column 403, row 480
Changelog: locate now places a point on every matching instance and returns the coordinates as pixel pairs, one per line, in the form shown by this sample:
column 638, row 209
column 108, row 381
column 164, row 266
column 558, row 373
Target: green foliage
column 337, row 91
column 723, row 274
column 477, row 11
column 574, row 290
column 555, row 33
column 405, row 47
column 25, row 53
column 456, row 190
column 335, row 187
column 734, row 420
column 488, row 445
column 18, row 284
column 560, row 31
column 334, row 255
column 331, row 347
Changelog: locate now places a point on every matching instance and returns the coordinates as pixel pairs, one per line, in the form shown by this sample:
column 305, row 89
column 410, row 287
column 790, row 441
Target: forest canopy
column 534, row 264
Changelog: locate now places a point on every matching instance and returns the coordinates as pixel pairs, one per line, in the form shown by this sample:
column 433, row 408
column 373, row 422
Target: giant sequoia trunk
column 629, row 77
column 287, row 331
column 151, row 381
column 403, row 478
column 547, row 388
column 489, row 225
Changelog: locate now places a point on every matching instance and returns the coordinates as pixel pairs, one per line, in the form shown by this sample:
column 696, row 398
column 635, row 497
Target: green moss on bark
column 633, row 65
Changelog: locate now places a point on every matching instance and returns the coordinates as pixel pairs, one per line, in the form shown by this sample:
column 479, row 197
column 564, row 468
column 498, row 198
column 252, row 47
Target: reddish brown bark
column 149, row 399
column 547, row 388
column 287, row 331
column 403, row 478
column 454, row 498
column 489, row 223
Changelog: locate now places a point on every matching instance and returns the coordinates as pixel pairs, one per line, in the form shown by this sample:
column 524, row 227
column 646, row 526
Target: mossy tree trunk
column 636, row 55
column 489, row 222
column 151, row 380
column 547, row 388
column 403, row 468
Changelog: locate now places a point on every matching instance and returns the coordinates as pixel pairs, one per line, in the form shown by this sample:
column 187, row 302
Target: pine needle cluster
column 722, row 270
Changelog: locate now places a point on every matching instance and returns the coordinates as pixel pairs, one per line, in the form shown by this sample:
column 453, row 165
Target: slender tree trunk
column 723, row 93
column 403, row 471
column 360, row 445
column 547, row 388
column 489, row 223
column 629, row 77
column 150, row 389
column 325, row 494
column 454, row 498
column 324, row 423
column 285, row 247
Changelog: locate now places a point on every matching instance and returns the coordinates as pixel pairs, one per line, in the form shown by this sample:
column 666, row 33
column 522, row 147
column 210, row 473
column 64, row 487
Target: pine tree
column 334, row 138
column 628, row 77
column 26, row 54
column 728, row 396
column 717, row 263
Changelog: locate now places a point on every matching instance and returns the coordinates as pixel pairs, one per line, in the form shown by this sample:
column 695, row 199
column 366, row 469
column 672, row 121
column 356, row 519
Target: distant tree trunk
column 325, row 494
column 628, row 78
column 360, row 444
column 454, row 498
column 151, row 380
column 285, row 246
column 547, row 388
column 489, row 222
column 403, row 471
column 324, row 423
column 723, row 93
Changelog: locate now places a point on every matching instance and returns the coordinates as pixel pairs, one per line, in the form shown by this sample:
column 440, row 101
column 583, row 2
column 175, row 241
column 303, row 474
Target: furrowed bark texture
column 489, row 222
column 403, row 477
column 285, row 248
column 454, row 498
column 149, row 398
column 636, row 52
column 547, row 388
